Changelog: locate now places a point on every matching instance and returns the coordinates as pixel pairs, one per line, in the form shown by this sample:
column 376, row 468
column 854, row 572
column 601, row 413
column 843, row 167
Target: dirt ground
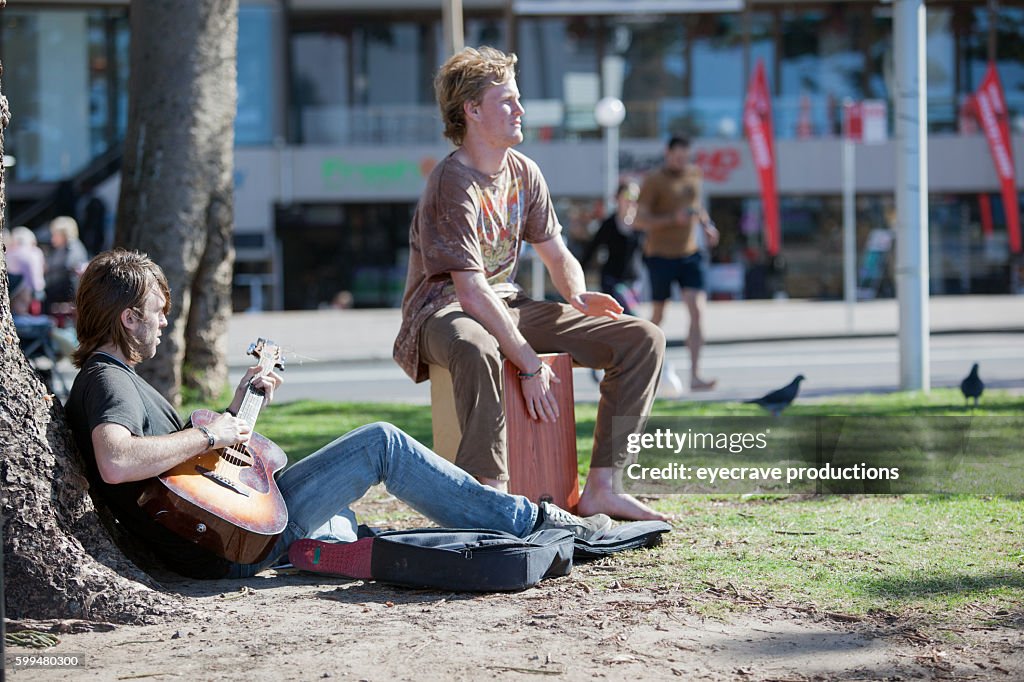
column 284, row 625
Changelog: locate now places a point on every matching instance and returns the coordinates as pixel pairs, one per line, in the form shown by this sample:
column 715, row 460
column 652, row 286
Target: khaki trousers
column 629, row 350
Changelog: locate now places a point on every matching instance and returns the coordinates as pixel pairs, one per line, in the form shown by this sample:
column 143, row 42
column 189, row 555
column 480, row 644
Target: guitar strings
column 297, row 358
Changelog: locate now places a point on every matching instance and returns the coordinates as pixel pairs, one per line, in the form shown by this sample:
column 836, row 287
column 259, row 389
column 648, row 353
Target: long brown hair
column 115, row 281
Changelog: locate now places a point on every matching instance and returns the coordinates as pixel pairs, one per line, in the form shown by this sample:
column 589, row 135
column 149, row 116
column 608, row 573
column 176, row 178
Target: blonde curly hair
column 464, row 78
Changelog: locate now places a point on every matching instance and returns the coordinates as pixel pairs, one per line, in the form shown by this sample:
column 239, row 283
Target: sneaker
column 349, row 559
column 584, row 527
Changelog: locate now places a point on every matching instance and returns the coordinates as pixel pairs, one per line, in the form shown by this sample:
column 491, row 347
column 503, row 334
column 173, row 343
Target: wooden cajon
column 541, row 456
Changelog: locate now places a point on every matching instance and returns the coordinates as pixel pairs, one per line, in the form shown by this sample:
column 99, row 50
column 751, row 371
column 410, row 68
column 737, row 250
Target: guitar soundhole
column 238, row 458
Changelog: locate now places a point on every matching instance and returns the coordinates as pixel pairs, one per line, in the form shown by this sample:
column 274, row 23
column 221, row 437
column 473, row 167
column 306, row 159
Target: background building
column 337, row 127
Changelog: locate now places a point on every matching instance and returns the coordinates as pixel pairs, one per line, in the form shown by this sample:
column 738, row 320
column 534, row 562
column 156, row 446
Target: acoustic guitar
column 226, row 500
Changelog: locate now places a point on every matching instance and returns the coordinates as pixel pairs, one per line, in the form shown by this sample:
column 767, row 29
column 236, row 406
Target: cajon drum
column 541, row 456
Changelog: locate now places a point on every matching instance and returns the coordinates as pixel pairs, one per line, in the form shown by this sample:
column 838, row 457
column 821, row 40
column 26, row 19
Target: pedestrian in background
column 65, row 262
column 621, row 242
column 26, row 259
column 669, row 211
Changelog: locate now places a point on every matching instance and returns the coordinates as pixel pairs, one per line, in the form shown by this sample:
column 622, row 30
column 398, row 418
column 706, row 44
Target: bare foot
column 616, row 505
column 702, row 385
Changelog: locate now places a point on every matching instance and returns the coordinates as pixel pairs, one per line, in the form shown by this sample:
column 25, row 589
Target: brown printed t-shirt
column 469, row 221
column 664, row 191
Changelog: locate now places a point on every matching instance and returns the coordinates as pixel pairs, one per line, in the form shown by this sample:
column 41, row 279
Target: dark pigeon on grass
column 776, row 401
column 972, row 386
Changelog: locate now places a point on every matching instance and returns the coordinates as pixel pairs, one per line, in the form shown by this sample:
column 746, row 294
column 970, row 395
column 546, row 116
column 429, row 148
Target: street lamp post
column 610, row 112
column 909, row 34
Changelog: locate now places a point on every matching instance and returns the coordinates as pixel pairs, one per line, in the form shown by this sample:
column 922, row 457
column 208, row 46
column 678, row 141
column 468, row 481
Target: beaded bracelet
column 530, row 375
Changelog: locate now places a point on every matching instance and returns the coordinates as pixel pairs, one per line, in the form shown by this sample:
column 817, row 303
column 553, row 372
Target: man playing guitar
column 129, row 435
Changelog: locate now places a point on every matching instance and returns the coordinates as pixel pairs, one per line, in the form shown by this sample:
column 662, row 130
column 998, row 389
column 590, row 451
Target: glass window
column 941, row 29
column 880, row 53
column 821, row 63
column 364, row 81
column 655, row 75
column 717, row 81
column 108, row 83
column 65, row 74
column 1010, row 56
column 484, row 31
column 941, row 69
column 394, row 62
column 974, row 26
column 254, row 123
column 559, row 71
column 963, row 259
column 319, row 95
column 327, row 249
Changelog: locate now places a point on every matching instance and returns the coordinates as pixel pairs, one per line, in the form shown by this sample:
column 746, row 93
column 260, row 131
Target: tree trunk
column 176, row 199
column 59, row 561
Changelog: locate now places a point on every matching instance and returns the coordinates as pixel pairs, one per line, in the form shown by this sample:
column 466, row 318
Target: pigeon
column 972, row 386
column 776, row 401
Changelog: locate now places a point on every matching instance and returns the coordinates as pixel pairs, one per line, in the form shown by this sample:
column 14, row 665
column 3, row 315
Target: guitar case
column 466, row 560
column 635, row 535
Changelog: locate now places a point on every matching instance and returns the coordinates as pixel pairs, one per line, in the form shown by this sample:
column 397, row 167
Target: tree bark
column 176, row 200
column 59, row 561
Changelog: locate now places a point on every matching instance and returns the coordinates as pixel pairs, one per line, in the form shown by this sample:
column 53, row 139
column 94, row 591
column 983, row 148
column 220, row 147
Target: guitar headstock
column 268, row 353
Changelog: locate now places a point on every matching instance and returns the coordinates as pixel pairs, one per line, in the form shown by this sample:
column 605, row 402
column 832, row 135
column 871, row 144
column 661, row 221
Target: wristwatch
column 210, row 440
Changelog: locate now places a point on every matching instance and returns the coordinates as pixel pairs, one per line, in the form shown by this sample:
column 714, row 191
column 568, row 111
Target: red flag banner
column 985, row 206
column 994, row 120
column 967, row 124
column 757, row 123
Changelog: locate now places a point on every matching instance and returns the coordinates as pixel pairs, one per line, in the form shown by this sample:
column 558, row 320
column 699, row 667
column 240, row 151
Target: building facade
column 337, row 127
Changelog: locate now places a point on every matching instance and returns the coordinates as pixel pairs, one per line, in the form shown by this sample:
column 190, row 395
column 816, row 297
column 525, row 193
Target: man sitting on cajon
column 463, row 310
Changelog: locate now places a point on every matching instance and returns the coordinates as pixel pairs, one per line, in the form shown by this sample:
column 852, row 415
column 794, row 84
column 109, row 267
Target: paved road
column 744, row 370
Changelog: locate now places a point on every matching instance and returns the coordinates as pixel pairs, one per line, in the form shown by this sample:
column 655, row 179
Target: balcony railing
column 794, row 117
column 388, row 125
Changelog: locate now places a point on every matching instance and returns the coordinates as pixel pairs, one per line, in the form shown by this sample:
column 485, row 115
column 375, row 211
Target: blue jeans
column 319, row 489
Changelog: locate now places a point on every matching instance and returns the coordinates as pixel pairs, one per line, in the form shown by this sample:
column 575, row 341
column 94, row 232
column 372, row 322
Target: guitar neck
column 252, row 403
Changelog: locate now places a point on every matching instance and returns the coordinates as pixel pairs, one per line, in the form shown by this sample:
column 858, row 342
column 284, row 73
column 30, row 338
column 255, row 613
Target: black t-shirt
column 108, row 392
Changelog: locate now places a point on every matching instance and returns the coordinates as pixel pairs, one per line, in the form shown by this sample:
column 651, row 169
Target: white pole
column 452, row 27
column 609, row 113
column 849, row 233
column 611, row 164
column 912, row 192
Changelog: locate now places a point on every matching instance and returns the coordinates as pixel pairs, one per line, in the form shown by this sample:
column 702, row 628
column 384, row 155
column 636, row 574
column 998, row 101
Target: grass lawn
column 943, row 557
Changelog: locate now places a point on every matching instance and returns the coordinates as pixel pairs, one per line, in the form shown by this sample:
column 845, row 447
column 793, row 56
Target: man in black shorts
column 669, row 211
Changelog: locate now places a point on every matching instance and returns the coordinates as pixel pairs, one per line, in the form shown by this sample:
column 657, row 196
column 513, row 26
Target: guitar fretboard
column 252, row 402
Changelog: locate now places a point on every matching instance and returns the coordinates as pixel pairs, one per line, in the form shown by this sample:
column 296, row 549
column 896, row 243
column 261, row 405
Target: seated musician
column 463, row 310
column 128, row 434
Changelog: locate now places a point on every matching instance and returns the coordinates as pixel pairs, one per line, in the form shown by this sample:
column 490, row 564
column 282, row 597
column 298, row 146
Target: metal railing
column 794, row 117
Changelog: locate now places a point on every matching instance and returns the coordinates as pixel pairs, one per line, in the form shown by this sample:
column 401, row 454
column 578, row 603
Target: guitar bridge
column 221, row 480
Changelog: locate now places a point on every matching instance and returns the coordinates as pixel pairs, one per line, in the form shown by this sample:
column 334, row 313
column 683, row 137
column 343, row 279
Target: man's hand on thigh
column 595, row 304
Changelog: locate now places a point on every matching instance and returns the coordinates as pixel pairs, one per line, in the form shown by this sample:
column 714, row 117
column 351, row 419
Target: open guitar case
column 466, row 560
